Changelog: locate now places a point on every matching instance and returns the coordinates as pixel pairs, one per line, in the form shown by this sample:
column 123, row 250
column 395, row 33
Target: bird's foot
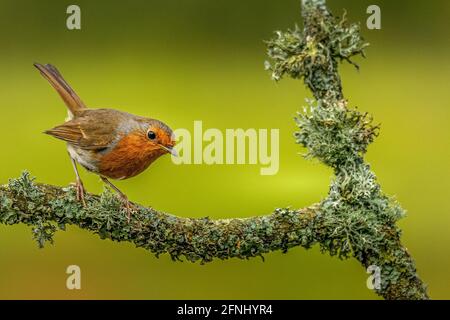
column 129, row 206
column 80, row 191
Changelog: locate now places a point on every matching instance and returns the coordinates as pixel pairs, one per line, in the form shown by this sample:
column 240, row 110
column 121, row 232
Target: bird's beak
column 170, row 150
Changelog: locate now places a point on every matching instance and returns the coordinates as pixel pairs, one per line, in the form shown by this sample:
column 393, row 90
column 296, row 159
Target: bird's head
column 158, row 136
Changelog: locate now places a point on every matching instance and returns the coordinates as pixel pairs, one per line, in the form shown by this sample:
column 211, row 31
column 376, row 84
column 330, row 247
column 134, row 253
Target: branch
column 356, row 219
column 362, row 220
column 47, row 208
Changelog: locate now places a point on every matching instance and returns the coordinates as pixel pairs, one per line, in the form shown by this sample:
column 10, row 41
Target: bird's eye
column 151, row 135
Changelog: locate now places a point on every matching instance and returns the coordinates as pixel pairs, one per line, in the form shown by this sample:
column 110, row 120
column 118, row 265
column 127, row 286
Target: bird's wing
column 91, row 130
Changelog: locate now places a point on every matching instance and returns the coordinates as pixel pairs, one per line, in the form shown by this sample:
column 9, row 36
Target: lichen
column 312, row 54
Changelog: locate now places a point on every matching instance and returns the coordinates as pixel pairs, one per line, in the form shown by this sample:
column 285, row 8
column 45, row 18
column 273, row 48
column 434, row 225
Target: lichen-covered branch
column 48, row 208
column 362, row 220
column 356, row 219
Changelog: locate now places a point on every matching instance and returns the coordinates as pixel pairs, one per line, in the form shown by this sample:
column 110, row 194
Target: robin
column 110, row 143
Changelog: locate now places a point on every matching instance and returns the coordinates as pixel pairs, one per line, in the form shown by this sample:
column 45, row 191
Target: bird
column 109, row 143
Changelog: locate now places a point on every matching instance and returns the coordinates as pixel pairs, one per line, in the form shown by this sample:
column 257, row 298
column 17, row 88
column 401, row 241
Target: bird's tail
column 69, row 96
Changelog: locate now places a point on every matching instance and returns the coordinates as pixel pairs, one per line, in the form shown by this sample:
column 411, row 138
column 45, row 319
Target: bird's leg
column 79, row 183
column 122, row 196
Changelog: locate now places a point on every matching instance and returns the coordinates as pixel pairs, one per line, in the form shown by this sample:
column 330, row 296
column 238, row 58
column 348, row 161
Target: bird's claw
column 80, row 191
column 129, row 206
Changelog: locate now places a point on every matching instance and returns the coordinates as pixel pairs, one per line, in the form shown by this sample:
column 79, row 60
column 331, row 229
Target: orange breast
column 132, row 155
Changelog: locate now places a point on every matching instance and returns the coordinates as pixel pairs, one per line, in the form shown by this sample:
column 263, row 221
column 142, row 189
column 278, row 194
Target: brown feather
column 92, row 129
column 69, row 96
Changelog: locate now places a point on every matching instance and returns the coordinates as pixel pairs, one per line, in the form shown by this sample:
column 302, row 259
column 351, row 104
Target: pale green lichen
column 333, row 133
column 312, row 54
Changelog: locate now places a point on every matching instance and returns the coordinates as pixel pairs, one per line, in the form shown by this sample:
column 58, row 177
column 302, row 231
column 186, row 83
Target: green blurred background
column 186, row 60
